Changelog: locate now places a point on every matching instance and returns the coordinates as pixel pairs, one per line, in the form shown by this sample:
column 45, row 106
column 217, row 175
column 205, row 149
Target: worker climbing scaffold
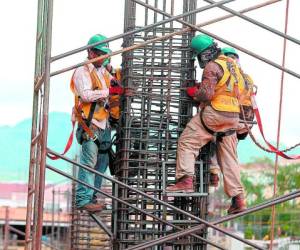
column 217, row 121
column 246, row 112
column 96, row 87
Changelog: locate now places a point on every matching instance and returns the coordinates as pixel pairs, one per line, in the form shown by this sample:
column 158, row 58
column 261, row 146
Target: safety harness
column 85, row 123
column 272, row 148
column 217, row 135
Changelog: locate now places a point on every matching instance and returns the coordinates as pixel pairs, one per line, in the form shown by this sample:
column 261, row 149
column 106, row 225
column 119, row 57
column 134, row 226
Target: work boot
column 238, row 204
column 93, row 207
column 213, row 180
column 184, row 184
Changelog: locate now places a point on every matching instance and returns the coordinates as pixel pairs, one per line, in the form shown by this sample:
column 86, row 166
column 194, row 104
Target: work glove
column 191, row 91
column 116, row 90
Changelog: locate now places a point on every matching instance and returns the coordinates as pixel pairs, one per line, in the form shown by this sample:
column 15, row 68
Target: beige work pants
column 214, row 166
column 194, row 137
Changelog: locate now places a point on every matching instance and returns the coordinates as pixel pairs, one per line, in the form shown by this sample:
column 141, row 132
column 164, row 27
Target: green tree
column 287, row 213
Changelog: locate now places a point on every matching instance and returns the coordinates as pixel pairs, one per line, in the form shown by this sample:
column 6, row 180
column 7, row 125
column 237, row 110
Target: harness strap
column 85, row 126
column 260, row 126
column 91, row 113
column 217, row 135
column 205, row 127
column 68, row 145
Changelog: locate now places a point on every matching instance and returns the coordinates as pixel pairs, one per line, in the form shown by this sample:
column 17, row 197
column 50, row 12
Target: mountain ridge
column 15, row 147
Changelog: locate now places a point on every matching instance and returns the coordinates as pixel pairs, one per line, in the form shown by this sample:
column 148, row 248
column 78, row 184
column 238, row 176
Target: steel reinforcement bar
column 146, row 195
column 196, row 229
column 128, row 204
column 113, row 38
column 195, row 27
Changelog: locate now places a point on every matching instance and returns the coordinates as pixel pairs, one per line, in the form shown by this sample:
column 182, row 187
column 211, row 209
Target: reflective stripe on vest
column 229, row 87
column 245, row 98
column 114, row 100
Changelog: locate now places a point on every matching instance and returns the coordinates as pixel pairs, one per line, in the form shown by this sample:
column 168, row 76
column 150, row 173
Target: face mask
column 203, row 59
column 106, row 61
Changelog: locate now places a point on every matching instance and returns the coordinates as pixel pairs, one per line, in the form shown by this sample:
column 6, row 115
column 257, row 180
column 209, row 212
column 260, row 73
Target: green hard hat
column 229, row 50
column 98, row 38
column 201, row 42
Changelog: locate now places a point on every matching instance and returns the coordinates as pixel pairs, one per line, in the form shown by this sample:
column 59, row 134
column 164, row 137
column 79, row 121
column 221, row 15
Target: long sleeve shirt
column 212, row 74
column 83, row 88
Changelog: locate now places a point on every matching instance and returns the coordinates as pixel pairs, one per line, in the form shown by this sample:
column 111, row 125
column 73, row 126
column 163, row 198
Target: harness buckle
column 95, row 138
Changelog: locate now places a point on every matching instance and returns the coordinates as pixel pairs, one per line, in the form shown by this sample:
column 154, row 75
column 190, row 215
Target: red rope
column 68, row 145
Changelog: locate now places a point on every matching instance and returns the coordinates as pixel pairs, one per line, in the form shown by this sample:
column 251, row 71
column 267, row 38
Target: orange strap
column 68, row 145
column 83, row 124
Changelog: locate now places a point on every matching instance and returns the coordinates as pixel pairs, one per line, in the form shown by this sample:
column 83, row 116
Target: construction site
column 159, row 65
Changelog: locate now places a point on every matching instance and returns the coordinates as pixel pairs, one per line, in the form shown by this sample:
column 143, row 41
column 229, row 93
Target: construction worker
column 246, row 114
column 97, row 93
column 219, row 118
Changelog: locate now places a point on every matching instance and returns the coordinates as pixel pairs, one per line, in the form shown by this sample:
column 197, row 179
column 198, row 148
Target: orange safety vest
column 114, row 100
column 228, row 89
column 100, row 112
column 245, row 99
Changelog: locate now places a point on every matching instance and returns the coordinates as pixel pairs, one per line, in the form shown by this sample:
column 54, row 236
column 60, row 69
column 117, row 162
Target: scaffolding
column 151, row 124
column 158, row 64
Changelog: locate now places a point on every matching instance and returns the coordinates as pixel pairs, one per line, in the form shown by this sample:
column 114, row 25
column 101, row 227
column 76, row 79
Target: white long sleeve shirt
column 83, row 88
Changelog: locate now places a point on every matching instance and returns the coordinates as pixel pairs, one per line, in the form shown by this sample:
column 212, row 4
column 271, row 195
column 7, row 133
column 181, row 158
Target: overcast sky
column 75, row 21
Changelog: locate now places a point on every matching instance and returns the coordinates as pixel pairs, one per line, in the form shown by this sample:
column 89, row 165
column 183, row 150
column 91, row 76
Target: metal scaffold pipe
column 197, row 27
column 55, row 58
column 196, row 229
column 147, row 42
column 191, row 26
column 280, row 111
column 130, row 205
column 113, row 38
column 150, row 197
column 251, row 20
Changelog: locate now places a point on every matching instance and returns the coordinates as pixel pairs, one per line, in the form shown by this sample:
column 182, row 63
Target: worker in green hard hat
column 217, row 121
column 231, row 52
column 99, row 50
column 96, row 88
column 245, row 96
column 246, row 116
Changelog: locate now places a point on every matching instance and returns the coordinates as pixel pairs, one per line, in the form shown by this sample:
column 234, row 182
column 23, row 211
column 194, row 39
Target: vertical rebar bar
column 44, row 132
column 52, row 217
column 6, row 229
column 153, row 119
column 34, row 143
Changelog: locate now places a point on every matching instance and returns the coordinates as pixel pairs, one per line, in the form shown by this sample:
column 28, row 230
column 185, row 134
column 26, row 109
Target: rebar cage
column 150, row 127
column 151, row 123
